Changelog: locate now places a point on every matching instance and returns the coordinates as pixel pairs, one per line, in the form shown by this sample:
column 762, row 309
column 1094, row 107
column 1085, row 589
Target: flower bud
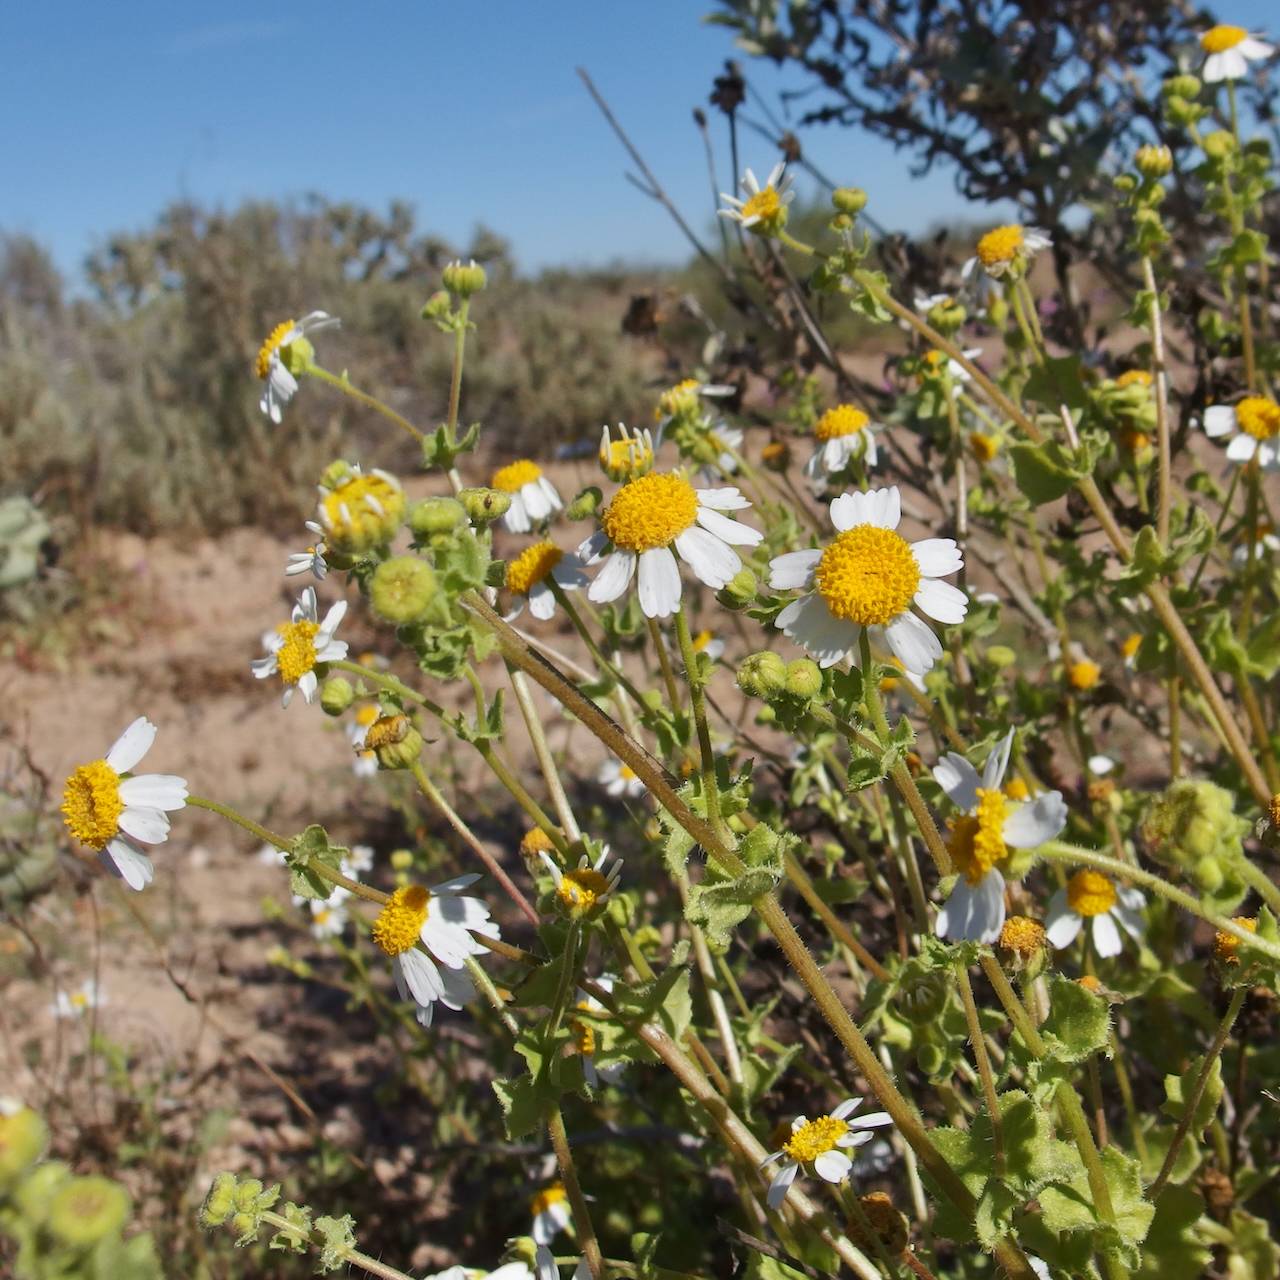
column 1153, row 162
column 947, row 316
column 220, row 1203
column 336, row 695
column 464, row 279
column 740, row 590
column 922, row 999
column 1193, row 821
column 887, row 1224
column 586, row 504
column 437, row 307
column 1022, row 945
column 401, row 859
column 436, row 515
column 394, row 740
column 402, row 588
column 359, row 511
column 23, row 1138
column 85, row 1210
column 1183, row 86
column 1000, row 656
column 850, row 200
column 1219, row 145
column 762, row 675
column 804, row 678
column 997, row 309
column 484, row 506
column 841, row 223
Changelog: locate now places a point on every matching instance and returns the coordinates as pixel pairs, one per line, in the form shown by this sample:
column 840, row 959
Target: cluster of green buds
column 1193, row 827
column 1142, row 192
column 766, row 675
column 1126, row 408
column 1182, row 105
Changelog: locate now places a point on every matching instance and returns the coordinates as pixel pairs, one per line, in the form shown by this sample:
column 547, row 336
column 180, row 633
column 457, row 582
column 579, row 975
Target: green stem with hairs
column 353, row 1256
column 343, row 384
column 582, row 1224
column 226, row 811
column 698, row 701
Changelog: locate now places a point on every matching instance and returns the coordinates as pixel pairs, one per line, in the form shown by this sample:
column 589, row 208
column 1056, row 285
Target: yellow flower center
column 1090, row 893
column 297, row 655
column 1016, row 789
column 531, row 566
column 650, row 512
column 1134, row 377
column 365, row 508
column 1090, row 983
column 815, row 1138
column 1023, row 936
column 581, row 888
column 1226, row 946
column 764, row 205
column 1084, row 674
column 867, row 575
column 1221, row 38
column 399, row 923
column 367, row 714
column 515, row 475
column 80, row 999
column 677, row 400
column 91, row 804
column 627, row 773
column 777, row 453
column 535, row 841
column 1259, row 417
column 262, row 366
column 548, row 1196
column 1000, row 246
column 626, row 457
column 843, row 420
column 701, row 640
column 977, row 839
column 984, row 447
column 1132, row 643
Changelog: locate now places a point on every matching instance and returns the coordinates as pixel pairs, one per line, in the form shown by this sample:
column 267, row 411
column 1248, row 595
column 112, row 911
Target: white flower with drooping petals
column 989, row 826
column 527, row 578
column 1089, row 895
column 281, row 385
column 1254, row 427
column 295, row 647
column 312, row 559
column 821, row 1145
column 1229, row 50
column 870, row 576
column 650, row 519
column 106, row 807
column 581, row 888
column 585, row 1038
column 549, row 1209
column 619, row 779
column 533, row 497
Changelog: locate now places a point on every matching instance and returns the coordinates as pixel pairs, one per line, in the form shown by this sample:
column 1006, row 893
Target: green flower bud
column 767, row 715
column 248, row 1192
column 997, row 309
column 395, row 741
column 436, row 515
column 1208, row 875
column 1191, row 822
column 1000, row 656
column 402, row 589
column 464, row 279
column 841, row 223
column 245, row 1225
column 483, row 506
column 1125, row 183
column 922, row 998
column 23, row 1138
column 948, row 317
column 850, row 200
column 336, row 695
column 1183, row 86
column 1219, row 145
column 762, row 675
column 804, row 678
column 586, row 504
column 1183, row 113
column 1154, row 162
column 220, row 1203
column 437, row 307
column 85, row 1210
column 401, row 859
column 35, row 1191
column 740, row 590
column 930, row 1058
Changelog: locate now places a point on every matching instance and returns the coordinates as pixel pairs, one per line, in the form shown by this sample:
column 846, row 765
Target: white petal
column 542, row 604
column 997, row 762
column 794, row 569
column 1061, row 923
column 308, row 683
column 570, row 573
column 659, row 582
column 591, row 550
column 887, row 504
column 1132, row 923
column 154, row 791
column 131, row 745
column 614, row 578
column 516, row 518
column 1106, row 937
column 872, row 1120
column 710, row 559
column 150, row 826
column 456, row 885
column 941, row 601
column 959, row 779
column 130, row 864
column 781, row 1184
column 1241, row 448
column 1133, row 899
column 847, row 1107
column 832, row 1166
column 850, row 509
column 419, row 975
column 726, row 499
column 728, row 530
column 973, row 913
column 937, row 557
column 913, row 643
column 809, row 623
column 335, row 615
column 1219, row 420
column 1030, row 825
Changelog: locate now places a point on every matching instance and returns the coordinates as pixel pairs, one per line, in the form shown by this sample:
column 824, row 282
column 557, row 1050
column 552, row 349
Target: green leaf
column 1041, row 471
column 1068, row 1206
column 1079, row 1022
column 1172, row 1246
column 523, row 1105
column 1178, row 1088
column 310, row 849
column 1057, row 381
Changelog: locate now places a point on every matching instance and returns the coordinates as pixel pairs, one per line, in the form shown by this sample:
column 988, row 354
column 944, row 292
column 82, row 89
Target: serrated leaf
column 308, row 850
column 1173, row 1246
column 522, row 1105
column 1079, row 1022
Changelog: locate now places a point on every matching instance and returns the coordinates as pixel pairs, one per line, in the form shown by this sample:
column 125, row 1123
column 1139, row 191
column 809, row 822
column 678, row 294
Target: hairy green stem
column 343, row 384
column 582, row 1224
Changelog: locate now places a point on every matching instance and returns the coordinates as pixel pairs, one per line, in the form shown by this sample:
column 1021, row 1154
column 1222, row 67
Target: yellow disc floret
column 91, row 804
column 581, row 888
column 1226, row 946
column 546, row 1198
column 815, row 1138
column 1016, row 789
column 363, row 511
column 531, row 566
column 984, row 447
column 399, row 923
column 1134, row 377
column 843, row 420
column 1259, row 417
column 515, row 475
column 765, row 205
column 650, row 512
column 1090, row 893
column 1001, row 246
column 1022, row 936
column 977, row 839
column 262, row 366
column 1221, row 38
column 1084, row 674
column 297, row 655
column 535, row 841
column 1132, row 643
column 868, row 575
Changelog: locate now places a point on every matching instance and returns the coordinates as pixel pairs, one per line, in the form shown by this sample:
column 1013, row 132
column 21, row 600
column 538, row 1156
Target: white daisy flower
column 551, row 1214
column 765, row 208
column 650, row 516
column 582, row 888
column 844, row 434
column 365, row 763
column 509, row 1271
column 281, row 385
column 1253, row 425
column 934, row 360
column 527, row 578
column 428, row 935
column 727, row 441
column 106, row 807
column 328, row 918
column 1264, row 541
column 78, row 1001
column 1089, row 895
column 1007, row 249
column 1101, row 765
column 359, row 861
column 585, row 1038
column 295, row 647
column 312, row 559
column 990, row 825
column 821, row 1145
column 533, row 497
column 359, row 510
column 619, row 779
column 925, row 302
column 870, row 576
column 1229, row 50
column 627, row 457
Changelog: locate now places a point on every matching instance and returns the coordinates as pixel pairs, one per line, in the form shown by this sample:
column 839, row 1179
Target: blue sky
column 471, row 111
